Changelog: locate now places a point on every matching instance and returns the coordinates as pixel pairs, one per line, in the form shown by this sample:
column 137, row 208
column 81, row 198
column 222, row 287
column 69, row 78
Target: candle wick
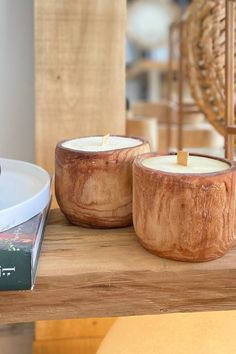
column 182, row 158
column 105, row 139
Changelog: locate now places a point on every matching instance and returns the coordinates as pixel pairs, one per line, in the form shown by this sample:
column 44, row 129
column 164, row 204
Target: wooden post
column 229, row 79
column 80, row 71
column 80, row 90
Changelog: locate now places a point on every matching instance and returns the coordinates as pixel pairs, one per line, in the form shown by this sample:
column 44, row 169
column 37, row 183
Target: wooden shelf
column 99, row 273
column 145, row 65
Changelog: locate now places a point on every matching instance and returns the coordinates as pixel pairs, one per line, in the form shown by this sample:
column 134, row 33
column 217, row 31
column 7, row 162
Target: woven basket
column 205, row 27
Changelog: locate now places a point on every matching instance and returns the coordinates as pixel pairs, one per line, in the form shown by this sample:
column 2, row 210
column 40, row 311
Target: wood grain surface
column 106, row 273
column 95, row 188
column 191, row 217
column 80, row 71
column 80, row 80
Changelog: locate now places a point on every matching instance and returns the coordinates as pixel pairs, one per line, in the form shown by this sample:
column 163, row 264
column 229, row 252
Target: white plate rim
column 23, row 211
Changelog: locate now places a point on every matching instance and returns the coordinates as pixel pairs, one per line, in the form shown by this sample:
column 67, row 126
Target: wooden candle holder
column 186, row 217
column 94, row 189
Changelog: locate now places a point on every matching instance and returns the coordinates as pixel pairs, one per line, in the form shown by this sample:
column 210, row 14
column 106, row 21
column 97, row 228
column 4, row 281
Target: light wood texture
column 80, row 71
column 201, row 135
column 146, row 65
column 195, row 132
column 145, row 128
column 162, row 110
column 208, row 333
column 229, row 77
column 83, row 328
column 182, row 158
column 67, row 346
column 104, row 273
column 95, row 188
column 182, row 216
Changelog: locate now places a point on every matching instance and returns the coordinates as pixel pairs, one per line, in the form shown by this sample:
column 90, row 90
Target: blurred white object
column 25, row 192
column 149, row 20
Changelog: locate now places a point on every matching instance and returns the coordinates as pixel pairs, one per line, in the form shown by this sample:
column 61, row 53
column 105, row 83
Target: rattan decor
column 206, row 28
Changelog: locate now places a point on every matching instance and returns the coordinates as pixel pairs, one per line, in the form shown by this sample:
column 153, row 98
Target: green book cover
column 19, row 253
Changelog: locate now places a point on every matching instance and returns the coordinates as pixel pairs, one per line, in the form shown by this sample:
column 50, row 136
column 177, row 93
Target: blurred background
column 147, row 53
column 149, row 101
column 148, row 25
column 154, row 95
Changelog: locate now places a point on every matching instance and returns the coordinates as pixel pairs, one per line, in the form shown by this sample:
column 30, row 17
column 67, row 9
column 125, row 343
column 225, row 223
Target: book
column 19, row 253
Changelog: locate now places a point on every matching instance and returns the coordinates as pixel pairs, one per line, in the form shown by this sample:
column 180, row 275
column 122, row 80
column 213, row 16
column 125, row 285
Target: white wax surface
column 94, row 143
column 196, row 164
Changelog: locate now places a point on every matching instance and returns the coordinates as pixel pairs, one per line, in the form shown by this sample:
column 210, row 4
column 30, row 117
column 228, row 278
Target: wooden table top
column 103, row 273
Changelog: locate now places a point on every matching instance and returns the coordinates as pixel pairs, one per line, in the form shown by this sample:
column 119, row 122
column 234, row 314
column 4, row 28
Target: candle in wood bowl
column 184, row 212
column 94, row 179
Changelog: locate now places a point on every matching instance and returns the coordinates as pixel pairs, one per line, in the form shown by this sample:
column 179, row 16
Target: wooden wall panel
column 80, row 71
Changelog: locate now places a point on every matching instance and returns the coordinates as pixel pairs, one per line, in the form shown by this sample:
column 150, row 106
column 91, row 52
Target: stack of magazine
column 25, row 195
column 19, row 253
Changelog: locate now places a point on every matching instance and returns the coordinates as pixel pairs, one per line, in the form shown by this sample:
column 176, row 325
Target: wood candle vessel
column 184, row 216
column 94, row 188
